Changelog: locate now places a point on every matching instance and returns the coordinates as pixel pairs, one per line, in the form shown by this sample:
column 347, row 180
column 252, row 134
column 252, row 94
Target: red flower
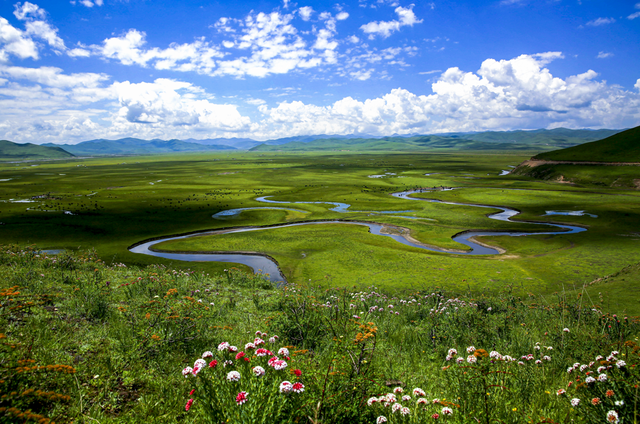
column 595, row 401
column 188, row 405
column 241, row 398
column 435, row 416
column 240, row 355
column 191, row 392
column 213, row 363
column 298, row 373
column 610, row 393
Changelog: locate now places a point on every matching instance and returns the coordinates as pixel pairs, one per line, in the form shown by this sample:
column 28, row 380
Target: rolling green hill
column 621, row 147
column 11, row 150
column 136, row 146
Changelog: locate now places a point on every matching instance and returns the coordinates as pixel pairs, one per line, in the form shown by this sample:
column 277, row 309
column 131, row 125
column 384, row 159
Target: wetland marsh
column 111, row 204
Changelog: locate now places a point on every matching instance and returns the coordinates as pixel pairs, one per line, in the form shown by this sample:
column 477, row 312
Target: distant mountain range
column 543, row 140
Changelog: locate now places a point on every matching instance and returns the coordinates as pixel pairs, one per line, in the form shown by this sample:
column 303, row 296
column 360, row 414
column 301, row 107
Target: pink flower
column 398, row 390
column 298, row 373
column 188, row 405
column 447, row 411
column 279, row 365
column 187, row 371
column 249, row 346
column 233, row 349
column 298, row 387
column 381, row 419
column 258, row 341
column 213, row 364
column 418, row 392
column 241, row 398
column 283, row 351
column 239, row 355
column 435, row 416
column 223, row 346
column 261, row 352
column 207, row 354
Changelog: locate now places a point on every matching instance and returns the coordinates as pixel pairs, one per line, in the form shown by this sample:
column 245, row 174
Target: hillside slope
column 621, row 147
column 135, row 146
column 11, row 150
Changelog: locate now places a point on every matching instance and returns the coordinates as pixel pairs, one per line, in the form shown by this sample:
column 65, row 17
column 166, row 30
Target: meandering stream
column 267, row 265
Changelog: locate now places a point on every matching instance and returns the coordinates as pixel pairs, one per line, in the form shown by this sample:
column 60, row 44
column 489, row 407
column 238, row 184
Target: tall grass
column 83, row 340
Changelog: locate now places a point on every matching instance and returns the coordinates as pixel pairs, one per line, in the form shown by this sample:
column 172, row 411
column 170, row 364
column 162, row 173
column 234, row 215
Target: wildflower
column 371, row 401
column 471, row 349
column 261, row 352
column 595, row 401
column 619, row 402
column 471, row 359
column 233, row 349
column 575, row 402
column 620, row 364
column 406, row 398
column 435, row 416
column 398, row 390
column 198, row 365
column 546, row 358
column 233, row 376
column 279, row 365
column 223, row 346
column 590, row 380
column 422, row 401
column 538, row 362
column 566, row 330
column 612, row 417
column 298, row 387
column 610, row 393
column 258, row 371
column 447, row 411
column 418, row 392
column 258, row 341
column 601, row 369
column 241, row 398
column 273, row 339
column 286, row 387
column 495, row 355
column 207, row 354
column 459, row 360
column 599, row 357
column 239, row 355
column 213, row 364
column 249, row 346
column 396, row 407
column 187, row 371
column 405, row 411
column 381, row 419
column 583, row 367
column 561, row 392
column 283, row 351
column 390, row 397
column 602, row 378
column 452, row 352
column 227, row 362
column 188, row 405
column 435, row 401
column 298, row 373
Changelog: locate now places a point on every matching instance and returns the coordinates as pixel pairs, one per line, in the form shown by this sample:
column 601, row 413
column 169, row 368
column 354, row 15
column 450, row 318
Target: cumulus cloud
column 342, row 16
column 305, row 12
column 15, row 42
column 601, row 21
column 406, row 17
column 501, row 95
column 637, row 85
column 635, row 14
column 604, row 55
column 130, row 49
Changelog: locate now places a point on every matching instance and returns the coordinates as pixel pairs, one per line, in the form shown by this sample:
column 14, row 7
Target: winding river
column 267, row 265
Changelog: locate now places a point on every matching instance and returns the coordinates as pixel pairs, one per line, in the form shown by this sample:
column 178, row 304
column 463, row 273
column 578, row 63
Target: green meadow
column 371, row 328
column 110, row 204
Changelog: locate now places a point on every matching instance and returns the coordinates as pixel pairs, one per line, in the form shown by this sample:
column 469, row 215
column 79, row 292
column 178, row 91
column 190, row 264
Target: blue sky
column 77, row 70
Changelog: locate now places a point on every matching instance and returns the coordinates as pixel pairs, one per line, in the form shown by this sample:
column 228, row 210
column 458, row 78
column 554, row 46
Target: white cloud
column 637, row 85
column 604, row 55
column 601, row 21
column 386, row 28
column 501, row 95
column 305, row 12
column 353, row 39
column 189, row 57
column 636, row 14
column 435, row 71
column 28, row 11
column 342, row 16
column 15, row 42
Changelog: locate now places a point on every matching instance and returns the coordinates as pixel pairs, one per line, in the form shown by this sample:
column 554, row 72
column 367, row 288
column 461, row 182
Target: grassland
column 116, row 202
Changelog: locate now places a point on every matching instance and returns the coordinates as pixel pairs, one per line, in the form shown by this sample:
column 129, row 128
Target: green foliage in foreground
column 85, row 341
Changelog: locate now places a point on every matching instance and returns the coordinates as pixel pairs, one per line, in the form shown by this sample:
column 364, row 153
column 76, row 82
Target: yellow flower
column 514, row 409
